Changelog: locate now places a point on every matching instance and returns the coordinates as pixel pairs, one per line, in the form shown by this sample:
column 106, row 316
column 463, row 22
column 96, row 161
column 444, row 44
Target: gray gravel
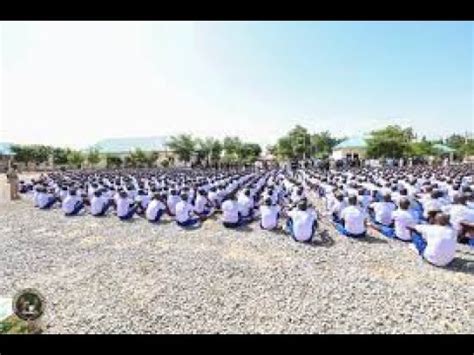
column 108, row 276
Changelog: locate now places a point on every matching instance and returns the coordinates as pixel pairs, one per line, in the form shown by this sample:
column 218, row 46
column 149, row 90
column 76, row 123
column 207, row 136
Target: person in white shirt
column 202, row 205
column 99, row 204
column 301, row 223
column 142, row 201
column 269, row 215
column 353, row 220
column 383, row 211
column 72, row 204
column 436, row 243
column 184, row 213
column 45, row 199
column 230, row 212
column 245, row 205
column 337, row 206
column 126, row 208
column 458, row 212
column 156, row 208
column 403, row 218
column 171, row 202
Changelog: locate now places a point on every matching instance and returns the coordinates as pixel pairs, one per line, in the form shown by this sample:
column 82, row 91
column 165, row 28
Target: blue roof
column 444, row 148
column 122, row 145
column 355, row 142
column 5, row 149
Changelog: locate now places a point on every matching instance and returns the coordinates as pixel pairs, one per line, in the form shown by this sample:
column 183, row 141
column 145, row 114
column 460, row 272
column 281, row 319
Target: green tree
column 93, row 156
column 76, row 158
column 113, row 161
column 139, row 158
column 249, row 152
column 232, row 145
column 41, row 153
column 389, row 142
column 455, row 141
column 60, row 155
column 183, row 145
column 322, row 144
column 422, row 148
column 23, row 153
column 208, row 150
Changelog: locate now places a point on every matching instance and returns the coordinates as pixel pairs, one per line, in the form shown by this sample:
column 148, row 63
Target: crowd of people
column 431, row 209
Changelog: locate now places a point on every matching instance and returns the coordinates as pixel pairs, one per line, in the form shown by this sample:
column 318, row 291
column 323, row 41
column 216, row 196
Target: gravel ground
column 107, row 276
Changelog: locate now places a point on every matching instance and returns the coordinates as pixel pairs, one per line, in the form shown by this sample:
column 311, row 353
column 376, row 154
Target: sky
column 75, row 83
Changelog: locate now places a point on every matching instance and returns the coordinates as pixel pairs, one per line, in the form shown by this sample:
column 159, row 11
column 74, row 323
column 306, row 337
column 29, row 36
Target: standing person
column 12, row 177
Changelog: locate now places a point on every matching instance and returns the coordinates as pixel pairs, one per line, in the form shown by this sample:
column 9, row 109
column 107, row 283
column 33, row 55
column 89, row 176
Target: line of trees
column 212, row 152
column 299, row 143
column 396, row 142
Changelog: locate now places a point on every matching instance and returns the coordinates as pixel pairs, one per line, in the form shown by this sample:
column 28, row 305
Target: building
column 355, row 147
column 121, row 147
column 6, row 155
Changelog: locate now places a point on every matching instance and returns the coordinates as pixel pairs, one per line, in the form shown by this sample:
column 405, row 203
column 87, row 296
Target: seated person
column 44, row 198
column 458, row 212
column 245, row 204
column 436, row 243
column 383, row 211
column 301, row 223
column 142, row 201
column 156, row 208
column 230, row 212
column 72, row 204
column 202, row 207
column 353, row 220
column 337, row 205
column 184, row 212
column 125, row 206
column 403, row 218
column 269, row 215
column 99, row 203
column 171, row 202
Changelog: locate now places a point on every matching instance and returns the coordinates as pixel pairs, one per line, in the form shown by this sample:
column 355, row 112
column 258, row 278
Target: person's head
column 404, row 203
column 173, row 192
column 247, row 192
column 73, row 192
column 387, row 198
column 441, row 219
column 267, row 201
column 302, row 205
column 123, row 194
column 156, row 197
column 98, row 193
column 184, row 197
column 352, row 200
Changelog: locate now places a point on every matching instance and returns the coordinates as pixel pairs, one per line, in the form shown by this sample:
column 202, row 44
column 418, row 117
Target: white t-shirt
column 97, row 204
column 172, row 201
column 302, row 224
column 230, row 211
column 183, row 211
column 200, row 204
column 245, row 205
column 383, row 212
column 353, row 220
column 402, row 219
column 269, row 216
column 152, row 209
column 123, row 206
column 441, row 243
column 69, row 203
column 459, row 213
